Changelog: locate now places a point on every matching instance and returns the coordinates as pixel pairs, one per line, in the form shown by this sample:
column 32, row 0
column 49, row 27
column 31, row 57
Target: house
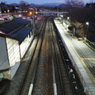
column 15, row 38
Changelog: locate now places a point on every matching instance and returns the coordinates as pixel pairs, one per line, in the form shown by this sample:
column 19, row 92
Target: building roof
column 15, row 29
column 21, row 34
column 10, row 26
column 21, row 21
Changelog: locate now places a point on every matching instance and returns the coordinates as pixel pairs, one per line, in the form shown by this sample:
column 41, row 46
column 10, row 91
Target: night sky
column 39, row 1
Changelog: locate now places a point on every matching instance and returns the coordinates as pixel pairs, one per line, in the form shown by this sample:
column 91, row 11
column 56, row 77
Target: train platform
column 81, row 56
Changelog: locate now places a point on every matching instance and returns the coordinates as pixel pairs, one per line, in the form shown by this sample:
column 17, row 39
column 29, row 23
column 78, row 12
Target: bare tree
column 24, row 5
column 74, row 3
column 91, row 1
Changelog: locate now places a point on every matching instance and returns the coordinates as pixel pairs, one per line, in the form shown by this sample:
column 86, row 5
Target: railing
column 92, row 44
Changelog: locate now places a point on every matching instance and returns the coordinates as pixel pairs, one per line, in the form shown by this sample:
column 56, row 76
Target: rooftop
column 13, row 25
column 15, row 29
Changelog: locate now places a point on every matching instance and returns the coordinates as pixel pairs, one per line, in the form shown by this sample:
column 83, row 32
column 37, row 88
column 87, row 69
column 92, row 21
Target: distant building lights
column 36, row 12
column 8, row 10
column 20, row 15
column 30, row 13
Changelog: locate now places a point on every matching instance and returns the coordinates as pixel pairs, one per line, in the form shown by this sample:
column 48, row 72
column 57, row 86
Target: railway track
column 63, row 82
column 49, row 70
column 18, row 83
column 43, row 76
column 68, row 74
column 29, row 78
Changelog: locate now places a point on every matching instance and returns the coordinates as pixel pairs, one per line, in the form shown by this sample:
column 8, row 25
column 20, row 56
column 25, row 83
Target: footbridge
column 51, row 13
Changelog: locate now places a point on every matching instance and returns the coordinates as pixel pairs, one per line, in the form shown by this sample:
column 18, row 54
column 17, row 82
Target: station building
column 15, row 38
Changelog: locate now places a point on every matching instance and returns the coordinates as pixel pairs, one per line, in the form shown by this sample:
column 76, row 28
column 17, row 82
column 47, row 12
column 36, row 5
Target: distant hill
column 44, row 5
column 62, row 5
column 34, row 5
column 65, row 5
column 50, row 4
column 15, row 4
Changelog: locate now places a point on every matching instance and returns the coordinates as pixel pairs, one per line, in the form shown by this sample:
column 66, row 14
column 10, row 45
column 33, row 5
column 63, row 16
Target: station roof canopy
column 21, row 21
column 16, row 29
column 21, row 34
column 10, row 26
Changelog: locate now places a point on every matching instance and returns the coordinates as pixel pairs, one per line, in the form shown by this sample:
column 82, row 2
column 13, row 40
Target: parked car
column 6, row 18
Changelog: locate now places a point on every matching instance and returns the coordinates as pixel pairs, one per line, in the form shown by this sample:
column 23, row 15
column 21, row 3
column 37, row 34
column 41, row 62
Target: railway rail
column 29, row 78
column 49, row 70
column 72, row 79
column 67, row 80
column 16, row 84
column 43, row 76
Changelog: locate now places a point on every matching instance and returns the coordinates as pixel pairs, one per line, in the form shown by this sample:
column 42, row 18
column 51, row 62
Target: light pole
column 68, row 18
column 0, row 12
column 33, row 22
column 87, row 23
column 74, row 30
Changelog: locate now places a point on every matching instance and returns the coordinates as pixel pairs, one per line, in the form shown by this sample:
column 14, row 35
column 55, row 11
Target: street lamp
column 68, row 21
column 68, row 18
column 33, row 15
column 8, row 11
column 87, row 23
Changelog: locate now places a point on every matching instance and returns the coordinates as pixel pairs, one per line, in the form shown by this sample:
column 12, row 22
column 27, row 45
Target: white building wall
column 13, row 54
column 23, row 47
column 3, row 54
column 25, row 44
column 13, row 51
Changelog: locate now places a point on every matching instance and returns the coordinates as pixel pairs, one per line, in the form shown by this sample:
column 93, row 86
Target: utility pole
column 33, row 23
column 87, row 23
column 0, row 12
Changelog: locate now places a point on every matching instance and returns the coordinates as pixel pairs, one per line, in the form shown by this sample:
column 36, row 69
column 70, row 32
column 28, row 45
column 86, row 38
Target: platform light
column 87, row 23
column 19, row 15
column 68, row 18
column 8, row 10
